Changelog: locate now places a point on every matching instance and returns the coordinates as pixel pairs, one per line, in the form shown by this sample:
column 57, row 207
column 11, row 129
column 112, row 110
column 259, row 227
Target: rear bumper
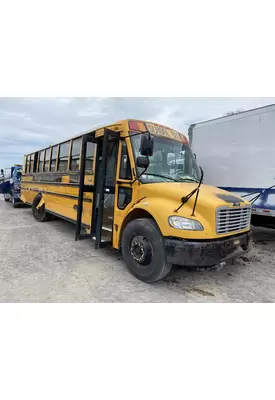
column 208, row 253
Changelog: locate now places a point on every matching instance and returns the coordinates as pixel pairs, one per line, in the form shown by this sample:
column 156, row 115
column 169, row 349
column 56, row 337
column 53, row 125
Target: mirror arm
column 138, row 133
column 138, row 176
column 134, row 134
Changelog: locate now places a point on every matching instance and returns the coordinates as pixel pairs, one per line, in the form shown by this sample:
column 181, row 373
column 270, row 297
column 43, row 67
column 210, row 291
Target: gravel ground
column 41, row 262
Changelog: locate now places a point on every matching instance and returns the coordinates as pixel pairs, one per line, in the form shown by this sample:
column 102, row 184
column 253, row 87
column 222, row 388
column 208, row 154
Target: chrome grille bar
column 232, row 219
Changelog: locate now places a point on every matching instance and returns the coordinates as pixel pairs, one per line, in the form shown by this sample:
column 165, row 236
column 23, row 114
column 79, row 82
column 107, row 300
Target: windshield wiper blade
column 188, row 179
column 161, row 176
column 185, row 199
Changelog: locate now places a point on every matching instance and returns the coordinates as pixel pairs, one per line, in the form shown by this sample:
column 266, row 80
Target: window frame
column 31, row 165
column 91, row 157
column 44, row 163
column 71, row 153
column 122, row 147
column 56, row 159
column 27, row 165
column 121, row 188
column 68, row 142
column 39, row 160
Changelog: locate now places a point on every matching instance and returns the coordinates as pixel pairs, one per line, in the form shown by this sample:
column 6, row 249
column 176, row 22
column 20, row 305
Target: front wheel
column 143, row 250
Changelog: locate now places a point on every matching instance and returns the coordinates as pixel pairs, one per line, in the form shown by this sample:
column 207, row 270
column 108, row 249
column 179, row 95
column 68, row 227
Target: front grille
column 232, row 219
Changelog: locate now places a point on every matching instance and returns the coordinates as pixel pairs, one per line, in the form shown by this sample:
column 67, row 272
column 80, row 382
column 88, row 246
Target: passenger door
column 86, row 190
column 105, row 186
column 102, row 186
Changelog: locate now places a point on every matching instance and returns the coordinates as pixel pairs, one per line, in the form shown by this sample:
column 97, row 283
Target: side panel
column 237, row 151
column 60, row 197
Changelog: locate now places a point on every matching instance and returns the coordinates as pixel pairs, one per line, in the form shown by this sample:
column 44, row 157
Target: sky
column 29, row 124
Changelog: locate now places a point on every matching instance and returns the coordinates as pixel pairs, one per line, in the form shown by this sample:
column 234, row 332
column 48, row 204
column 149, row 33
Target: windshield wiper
column 161, row 176
column 188, row 179
column 185, row 199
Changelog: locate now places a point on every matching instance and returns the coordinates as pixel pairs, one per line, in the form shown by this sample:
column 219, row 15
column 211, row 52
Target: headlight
column 185, row 223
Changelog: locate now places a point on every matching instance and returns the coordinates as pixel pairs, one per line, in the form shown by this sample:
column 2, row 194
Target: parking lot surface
column 41, row 262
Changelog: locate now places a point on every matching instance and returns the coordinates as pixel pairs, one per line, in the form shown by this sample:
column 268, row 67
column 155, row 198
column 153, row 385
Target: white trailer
column 237, row 153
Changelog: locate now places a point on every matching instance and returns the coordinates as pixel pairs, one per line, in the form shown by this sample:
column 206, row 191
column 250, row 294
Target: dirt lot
column 41, row 262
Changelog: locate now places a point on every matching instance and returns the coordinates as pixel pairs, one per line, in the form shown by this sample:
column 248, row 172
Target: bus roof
column 118, row 123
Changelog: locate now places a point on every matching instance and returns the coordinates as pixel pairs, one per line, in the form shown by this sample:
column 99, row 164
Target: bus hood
column 209, row 196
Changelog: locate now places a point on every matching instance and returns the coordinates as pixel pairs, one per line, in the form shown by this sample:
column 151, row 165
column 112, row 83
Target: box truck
column 237, row 153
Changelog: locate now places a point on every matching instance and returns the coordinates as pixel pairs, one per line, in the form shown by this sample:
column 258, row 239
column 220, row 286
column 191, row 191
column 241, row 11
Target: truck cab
column 10, row 185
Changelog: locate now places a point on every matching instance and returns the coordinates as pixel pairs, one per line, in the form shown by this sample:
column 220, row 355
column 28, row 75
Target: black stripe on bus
column 53, row 183
column 56, row 177
column 69, row 196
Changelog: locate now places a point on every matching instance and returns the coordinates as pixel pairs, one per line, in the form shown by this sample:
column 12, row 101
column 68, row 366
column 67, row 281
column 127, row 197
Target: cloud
column 28, row 124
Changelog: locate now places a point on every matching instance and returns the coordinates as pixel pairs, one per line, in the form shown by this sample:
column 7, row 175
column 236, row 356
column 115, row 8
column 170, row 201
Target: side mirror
column 146, row 145
column 143, row 162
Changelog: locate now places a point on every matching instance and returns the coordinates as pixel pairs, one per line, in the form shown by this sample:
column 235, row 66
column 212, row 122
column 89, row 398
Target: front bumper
column 206, row 253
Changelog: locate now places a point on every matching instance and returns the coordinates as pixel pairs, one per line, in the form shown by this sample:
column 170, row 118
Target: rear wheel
column 39, row 213
column 143, row 250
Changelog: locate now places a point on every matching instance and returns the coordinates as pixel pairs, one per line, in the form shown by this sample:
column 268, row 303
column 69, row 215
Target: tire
column 143, row 250
column 40, row 215
column 6, row 200
column 15, row 204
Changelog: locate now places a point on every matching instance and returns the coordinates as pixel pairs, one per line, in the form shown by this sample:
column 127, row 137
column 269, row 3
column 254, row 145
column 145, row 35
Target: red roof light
column 134, row 126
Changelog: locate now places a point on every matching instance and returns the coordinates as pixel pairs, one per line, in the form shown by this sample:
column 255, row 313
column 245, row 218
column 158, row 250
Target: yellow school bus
column 136, row 186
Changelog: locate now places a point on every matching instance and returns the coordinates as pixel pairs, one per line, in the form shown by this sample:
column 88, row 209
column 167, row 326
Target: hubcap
column 141, row 250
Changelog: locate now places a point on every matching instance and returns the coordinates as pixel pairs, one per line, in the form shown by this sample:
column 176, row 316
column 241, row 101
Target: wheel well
column 135, row 214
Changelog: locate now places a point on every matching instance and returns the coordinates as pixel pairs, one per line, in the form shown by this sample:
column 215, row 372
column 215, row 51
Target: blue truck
column 10, row 184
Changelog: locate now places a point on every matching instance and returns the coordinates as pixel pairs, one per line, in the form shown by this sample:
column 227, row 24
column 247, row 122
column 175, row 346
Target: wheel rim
column 141, row 250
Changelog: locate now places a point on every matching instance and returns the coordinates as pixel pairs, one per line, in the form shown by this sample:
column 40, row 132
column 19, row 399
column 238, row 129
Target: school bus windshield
column 171, row 161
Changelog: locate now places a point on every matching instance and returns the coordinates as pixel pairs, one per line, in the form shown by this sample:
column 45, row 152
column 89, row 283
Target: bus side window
column 124, row 197
column 75, row 156
column 27, row 164
column 31, row 162
column 124, row 193
column 125, row 167
column 35, row 162
column 40, row 161
column 63, row 157
column 111, row 164
column 89, row 161
column 47, row 160
column 53, row 158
